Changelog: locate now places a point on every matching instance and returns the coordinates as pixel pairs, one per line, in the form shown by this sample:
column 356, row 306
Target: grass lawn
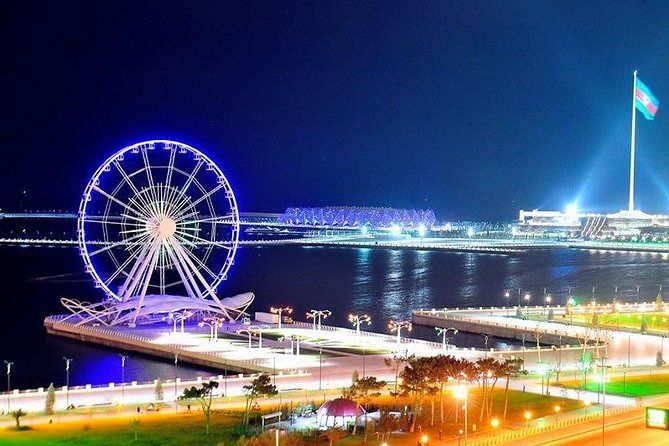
column 159, row 429
column 186, row 428
column 656, row 322
column 634, row 386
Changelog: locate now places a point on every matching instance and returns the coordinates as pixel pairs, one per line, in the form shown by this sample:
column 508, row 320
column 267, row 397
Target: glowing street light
column 495, row 424
column 357, row 319
column 395, row 230
column 123, row 359
column 527, row 298
column 528, row 416
column 213, row 323
column 398, row 326
column 8, row 366
column 443, row 332
column 556, row 409
column 318, row 316
column 424, row 439
column 461, row 394
column 507, row 296
column 67, row 380
column 279, row 311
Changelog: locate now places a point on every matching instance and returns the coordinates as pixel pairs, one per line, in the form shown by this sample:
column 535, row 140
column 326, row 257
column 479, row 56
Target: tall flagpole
column 632, row 145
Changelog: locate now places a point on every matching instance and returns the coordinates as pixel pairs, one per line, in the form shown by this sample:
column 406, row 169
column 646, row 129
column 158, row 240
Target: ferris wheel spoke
column 138, row 270
column 170, row 167
column 119, row 202
column 132, row 185
column 204, row 241
column 120, row 269
column 187, row 279
column 117, row 244
column 188, row 263
column 191, row 177
column 202, row 198
column 217, row 220
column 107, row 221
column 147, row 280
column 201, row 264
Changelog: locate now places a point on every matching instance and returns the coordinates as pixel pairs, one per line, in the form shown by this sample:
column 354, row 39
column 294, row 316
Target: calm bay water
column 385, row 284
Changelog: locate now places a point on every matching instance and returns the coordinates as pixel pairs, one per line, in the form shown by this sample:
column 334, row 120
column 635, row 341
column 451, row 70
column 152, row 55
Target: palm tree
column 511, row 368
column 17, row 414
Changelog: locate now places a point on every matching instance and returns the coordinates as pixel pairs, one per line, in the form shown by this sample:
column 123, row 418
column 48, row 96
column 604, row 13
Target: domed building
column 338, row 413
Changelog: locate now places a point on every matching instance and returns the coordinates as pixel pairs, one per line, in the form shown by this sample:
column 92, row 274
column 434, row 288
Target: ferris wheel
column 158, row 227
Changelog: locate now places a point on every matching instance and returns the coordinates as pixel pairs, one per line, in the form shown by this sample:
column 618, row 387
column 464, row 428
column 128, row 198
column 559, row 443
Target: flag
column 645, row 101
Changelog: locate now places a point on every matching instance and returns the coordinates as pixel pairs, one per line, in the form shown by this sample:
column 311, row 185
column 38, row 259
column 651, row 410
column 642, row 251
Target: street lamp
column 398, row 326
column 443, row 332
column 213, row 323
column 318, row 316
column 461, row 394
column 556, row 409
column 176, row 365
column 68, row 361
column 527, row 304
column 279, row 311
column 123, row 359
column 486, row 337
column 507, row 296
column 495, row 424
column 357, row 319
column 9, row 365
column 528, row 416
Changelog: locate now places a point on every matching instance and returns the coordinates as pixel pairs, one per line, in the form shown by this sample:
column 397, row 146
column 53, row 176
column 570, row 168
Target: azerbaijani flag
column 645, row 101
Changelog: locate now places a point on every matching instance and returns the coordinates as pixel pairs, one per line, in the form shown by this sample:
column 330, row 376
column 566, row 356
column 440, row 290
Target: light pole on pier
column 68, row 361
column 176, row 365
column 318, row 316
column 507, row 296
column 398, row 326
column 357, row 319
column 8, row 366
column 443, row 332
column 527, row 298
column 123, row 359
column 279, row 311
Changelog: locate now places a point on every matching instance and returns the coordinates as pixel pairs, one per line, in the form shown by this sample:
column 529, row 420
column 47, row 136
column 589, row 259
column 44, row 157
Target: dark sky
column 475, row 109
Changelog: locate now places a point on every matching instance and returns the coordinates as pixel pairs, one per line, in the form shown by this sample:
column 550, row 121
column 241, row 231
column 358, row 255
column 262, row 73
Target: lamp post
column 398, row 326
column 249, row 331
column 486, row 337
column 495, row 424
column 123, row 359
column 176, row 365
column 318, row 316
column 280, row 311
column 528, row 416
column 527, row 298
column 320, row 366
column 604, row 367
column 68, row 361
column 357, row 319
column 507, row 296
column 8, row 366
column 443, row 332
column 461, row 394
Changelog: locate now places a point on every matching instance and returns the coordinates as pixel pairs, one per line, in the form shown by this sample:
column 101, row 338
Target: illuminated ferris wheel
column 158, row 227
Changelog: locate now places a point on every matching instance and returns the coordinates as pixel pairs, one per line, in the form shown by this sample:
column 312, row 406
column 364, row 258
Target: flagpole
column 632, row 145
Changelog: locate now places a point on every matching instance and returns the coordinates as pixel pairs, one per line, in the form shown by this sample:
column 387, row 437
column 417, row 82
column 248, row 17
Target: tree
column 362, row 390
column 17, row 414
column 158, row 390
column 387, row 424
column 659, row 303
column 261, row 386
column 204, row 396
column 334, row 434
column 398, row 361
column 134, row 427
column 416, row 385
column 511, row 368
column 50, row 400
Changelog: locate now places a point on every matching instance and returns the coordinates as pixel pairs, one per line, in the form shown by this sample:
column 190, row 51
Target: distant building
column 589, row 225
column 347, row 216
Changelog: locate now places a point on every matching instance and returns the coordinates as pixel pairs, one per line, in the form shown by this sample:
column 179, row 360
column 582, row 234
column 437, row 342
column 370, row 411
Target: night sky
column 474, row 109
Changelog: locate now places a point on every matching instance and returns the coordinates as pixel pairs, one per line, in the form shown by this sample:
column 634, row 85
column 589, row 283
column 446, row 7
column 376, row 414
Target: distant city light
column 572, row 209
column 421, row 230
column 395, row 230
column 470, row 232
column 364, row 229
